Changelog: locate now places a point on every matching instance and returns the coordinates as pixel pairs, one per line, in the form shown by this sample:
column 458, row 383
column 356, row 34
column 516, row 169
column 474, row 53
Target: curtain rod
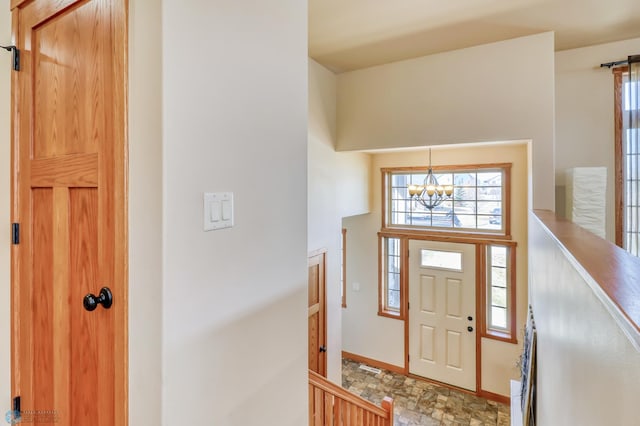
column 630, row 60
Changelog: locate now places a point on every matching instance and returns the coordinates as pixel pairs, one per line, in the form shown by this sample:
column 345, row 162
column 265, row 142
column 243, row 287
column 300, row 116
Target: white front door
column 442, row 312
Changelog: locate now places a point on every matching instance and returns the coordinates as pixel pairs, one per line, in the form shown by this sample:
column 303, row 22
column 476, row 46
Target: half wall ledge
column 611, row 272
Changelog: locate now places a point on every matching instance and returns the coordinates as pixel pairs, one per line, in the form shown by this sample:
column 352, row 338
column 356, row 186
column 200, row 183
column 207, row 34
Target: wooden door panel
column 62, row 301
column 70, row 83
column 42, row 326
column 79, row 170
column 317, row 314
column 91, row 334
column 314, row 296
column 69, row 196
column 85, row 327
column 314, row 348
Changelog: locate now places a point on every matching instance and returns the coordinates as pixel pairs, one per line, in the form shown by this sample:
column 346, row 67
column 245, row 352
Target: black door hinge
column 16, row 56
column 16, row 408
column 15, row 233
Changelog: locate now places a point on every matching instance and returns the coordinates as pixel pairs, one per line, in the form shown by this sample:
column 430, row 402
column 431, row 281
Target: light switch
column 218, row 210
column 227, row 211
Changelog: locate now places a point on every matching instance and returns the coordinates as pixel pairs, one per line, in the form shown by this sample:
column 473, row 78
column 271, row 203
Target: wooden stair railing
column 332, row 405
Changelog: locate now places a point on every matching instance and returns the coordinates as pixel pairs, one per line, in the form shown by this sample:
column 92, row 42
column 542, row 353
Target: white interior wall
column 494, row 92
column 337, row 186
column 381, row 338
column 5, row 176
column 145, row 213
column 587, row 369
column 584, row 115
column 364, row 332
column 234, row 328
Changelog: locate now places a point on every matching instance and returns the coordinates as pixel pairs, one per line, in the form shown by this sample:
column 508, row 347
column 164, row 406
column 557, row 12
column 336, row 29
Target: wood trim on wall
column 399, row 370
column 344, row 267
column 510, row 336
column 372, row 362
column 482, row 331
column 16, row 295
column 447, row 237
column 478, row 239
column 382, row 290
column 16, row 3
column 317, row 252
column 383, row 198
column 404, row 299
column 506, row 214
column 481, row 303
column 494, row 397
column 404, row 278
column 447, row 168
column 473, row 234
column 617, row 147
column 513, row 286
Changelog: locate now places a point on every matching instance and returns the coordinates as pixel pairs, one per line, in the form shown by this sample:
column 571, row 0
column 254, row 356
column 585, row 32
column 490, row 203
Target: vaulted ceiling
column 351, row 34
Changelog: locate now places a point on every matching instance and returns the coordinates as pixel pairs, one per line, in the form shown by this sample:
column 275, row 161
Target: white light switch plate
column 218, row 210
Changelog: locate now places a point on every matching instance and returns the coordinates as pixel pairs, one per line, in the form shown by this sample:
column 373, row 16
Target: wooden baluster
column 319, row 417
column 332, row 405
column 328, row 409
column 337, row 411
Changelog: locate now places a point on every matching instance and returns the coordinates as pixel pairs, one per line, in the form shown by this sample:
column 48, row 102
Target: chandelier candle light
column 430, row 194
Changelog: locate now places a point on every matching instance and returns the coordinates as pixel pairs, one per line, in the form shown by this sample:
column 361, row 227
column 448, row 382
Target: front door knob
column 469, row 329
column 323, row 348
column 105, row 298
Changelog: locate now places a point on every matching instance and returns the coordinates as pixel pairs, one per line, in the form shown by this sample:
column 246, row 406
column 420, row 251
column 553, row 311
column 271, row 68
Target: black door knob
column 323, row 348
column 470, row 318
column 469, row 329
column 105, row 298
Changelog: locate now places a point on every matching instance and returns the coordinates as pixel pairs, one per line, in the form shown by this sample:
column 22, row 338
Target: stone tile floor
column 418, row 402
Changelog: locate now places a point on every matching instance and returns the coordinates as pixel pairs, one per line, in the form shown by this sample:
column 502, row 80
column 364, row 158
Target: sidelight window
column 499, row 315
column 391, row 295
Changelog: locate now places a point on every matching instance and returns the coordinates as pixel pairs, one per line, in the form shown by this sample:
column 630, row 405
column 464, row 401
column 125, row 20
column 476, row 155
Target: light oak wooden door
column 317, row 315
column 442, row 311
column 69, row 198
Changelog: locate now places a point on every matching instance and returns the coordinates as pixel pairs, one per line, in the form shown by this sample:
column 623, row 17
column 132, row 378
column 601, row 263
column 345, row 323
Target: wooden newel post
column 387, row 405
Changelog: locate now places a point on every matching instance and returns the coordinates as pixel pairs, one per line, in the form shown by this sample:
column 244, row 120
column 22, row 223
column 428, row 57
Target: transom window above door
column 478, row 204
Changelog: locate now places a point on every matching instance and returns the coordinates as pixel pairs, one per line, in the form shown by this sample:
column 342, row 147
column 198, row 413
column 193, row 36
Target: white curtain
column 631, row 138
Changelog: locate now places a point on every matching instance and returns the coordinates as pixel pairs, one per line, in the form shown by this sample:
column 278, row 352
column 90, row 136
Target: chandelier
column 430, row 194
